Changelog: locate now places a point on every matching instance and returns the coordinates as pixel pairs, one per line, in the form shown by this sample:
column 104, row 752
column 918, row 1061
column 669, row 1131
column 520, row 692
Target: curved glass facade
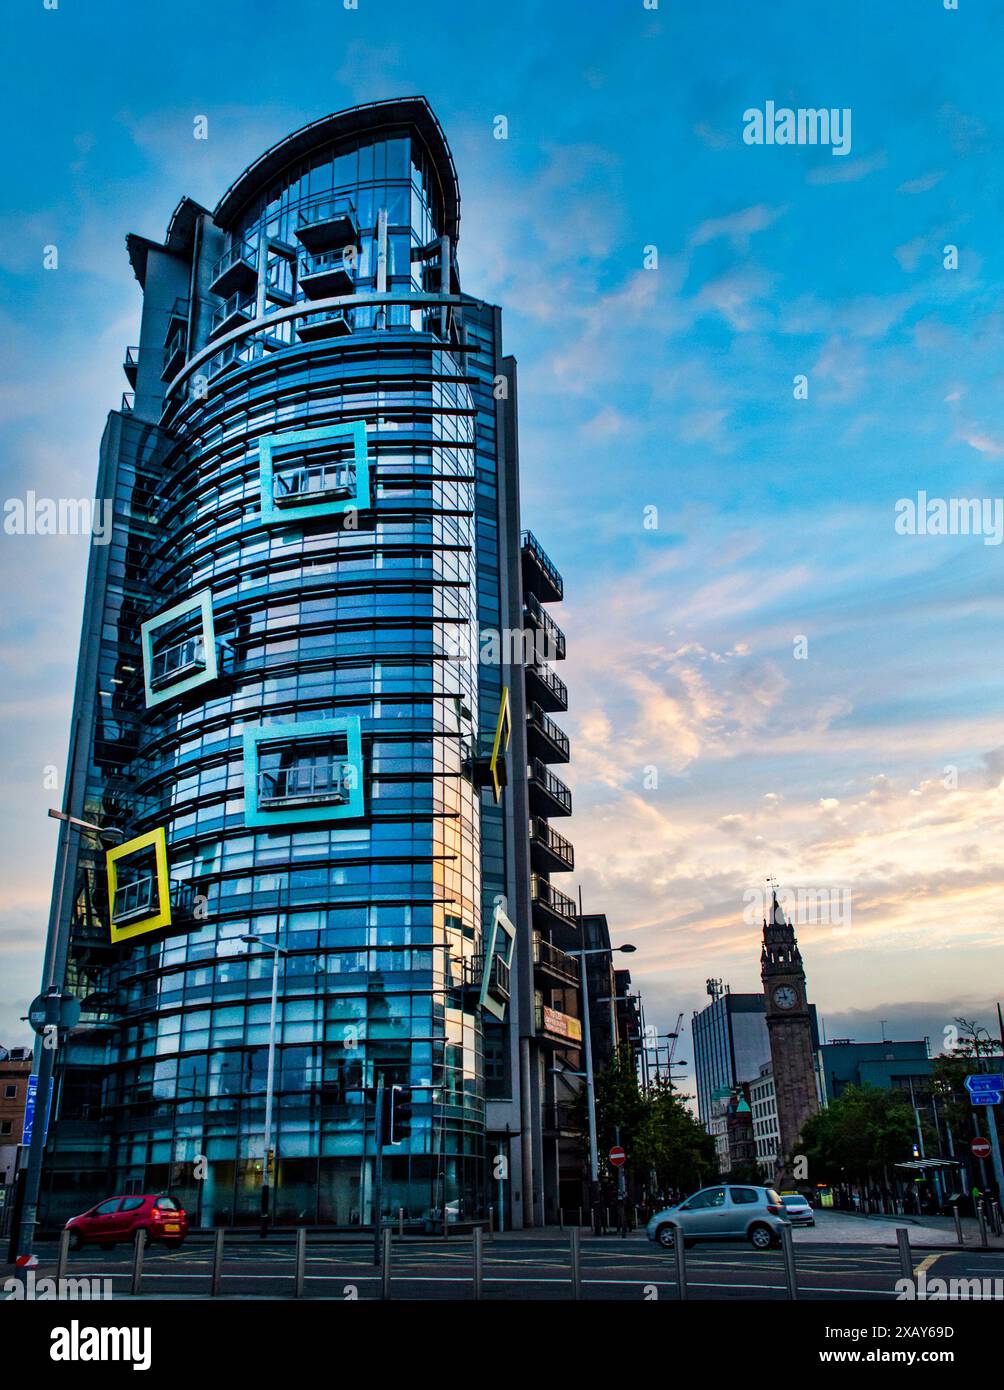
column 283, row 712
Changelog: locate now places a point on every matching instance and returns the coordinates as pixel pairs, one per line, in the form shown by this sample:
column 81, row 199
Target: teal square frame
column 349, row 725
column 202, row 602
column 273, row 515
column 501, row 928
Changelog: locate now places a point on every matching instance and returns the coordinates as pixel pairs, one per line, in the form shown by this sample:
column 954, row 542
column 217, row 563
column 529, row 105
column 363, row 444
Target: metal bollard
column 958, row 1224
column 995, row 1212
column 216, row 1278
column 681, row 1264
column 905, row 1258
column 300, row 1270
column 400, row 1221
column 63, row 1257
column 478, row 1263
column 790, row 1273
column 561, row 1218
column 576, row 1256
column 388, row 1237
column 137, row 1261
column 983, row 1224
column 491, row 1222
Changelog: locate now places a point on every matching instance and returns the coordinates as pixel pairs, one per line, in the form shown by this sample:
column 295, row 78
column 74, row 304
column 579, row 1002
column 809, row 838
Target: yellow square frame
column 162, row 917
column 502, row 729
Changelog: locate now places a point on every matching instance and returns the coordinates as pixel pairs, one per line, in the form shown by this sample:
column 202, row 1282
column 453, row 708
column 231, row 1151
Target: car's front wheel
column 761, row 1237
column 666, row 1236
column 75, row 1242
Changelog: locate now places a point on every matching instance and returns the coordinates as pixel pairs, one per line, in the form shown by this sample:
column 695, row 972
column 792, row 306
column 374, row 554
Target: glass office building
column 282, row 720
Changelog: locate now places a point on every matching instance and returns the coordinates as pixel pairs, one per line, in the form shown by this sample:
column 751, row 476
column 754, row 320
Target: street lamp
column 277, row 951
column 57, row 945
column 594, row 1158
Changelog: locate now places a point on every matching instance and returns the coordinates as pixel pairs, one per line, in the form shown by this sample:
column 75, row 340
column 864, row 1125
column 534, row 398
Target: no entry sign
column 616, row 1156
column 980, row 1148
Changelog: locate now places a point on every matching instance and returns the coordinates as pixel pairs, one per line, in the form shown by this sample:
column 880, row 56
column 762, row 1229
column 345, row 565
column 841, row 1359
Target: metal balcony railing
column 311, row 482
column 237, row 310
column 141, row 898
column 551, row 681
column 554, row 638
column 128, row 403
column 533, row 547
column 236, row 269
column 177, row 661
column 548, row 838
column 326, row 273
column 500, row 978
column 545, row 893
column 309, row 782
column 550, row 730
column 328, row 224
column 552, row 786
column 553, row 958
column 131, row 364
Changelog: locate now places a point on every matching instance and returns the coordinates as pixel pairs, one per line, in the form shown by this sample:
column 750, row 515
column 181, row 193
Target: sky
column 766, row 678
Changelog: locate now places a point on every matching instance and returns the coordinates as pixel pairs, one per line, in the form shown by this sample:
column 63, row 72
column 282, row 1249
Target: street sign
column 617, row 1156
column 980, row 1148
column 985, row 1088
column 29, row 1110
column 68, row 1016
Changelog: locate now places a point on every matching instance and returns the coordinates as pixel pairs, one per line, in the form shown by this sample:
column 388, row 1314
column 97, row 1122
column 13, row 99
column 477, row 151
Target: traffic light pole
column 378, row 1171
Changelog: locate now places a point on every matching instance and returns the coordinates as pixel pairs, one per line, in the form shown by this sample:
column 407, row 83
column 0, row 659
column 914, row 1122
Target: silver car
column 797, row 1209
column 728, row 1211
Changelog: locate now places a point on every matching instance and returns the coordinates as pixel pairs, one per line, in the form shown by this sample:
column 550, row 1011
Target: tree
column 659, row 1133
column 860, row 1136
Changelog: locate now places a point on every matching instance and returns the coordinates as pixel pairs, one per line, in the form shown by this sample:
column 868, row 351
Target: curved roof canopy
column 357, row 120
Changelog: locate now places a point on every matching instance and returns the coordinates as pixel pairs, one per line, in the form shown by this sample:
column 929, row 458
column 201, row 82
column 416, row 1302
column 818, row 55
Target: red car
column 119, row 1218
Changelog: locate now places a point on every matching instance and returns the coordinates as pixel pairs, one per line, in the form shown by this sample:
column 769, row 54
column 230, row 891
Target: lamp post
column 277, row 951
column 594, row 1158
column 57, row 944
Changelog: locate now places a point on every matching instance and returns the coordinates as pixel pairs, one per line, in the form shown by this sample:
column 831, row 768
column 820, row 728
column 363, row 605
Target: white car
column 728, row 1211
column 797, row 1209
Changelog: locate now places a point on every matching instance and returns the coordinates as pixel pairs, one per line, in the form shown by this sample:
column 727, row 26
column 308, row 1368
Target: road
column 518, row 1266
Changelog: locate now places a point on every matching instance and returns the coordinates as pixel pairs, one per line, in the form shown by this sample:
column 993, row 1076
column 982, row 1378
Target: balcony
column 314, row 482
column 554, row 963
column 556, row 1027
column 237, row 311
column 174, row 352
column 500, row 983
column 333, row 324
column 236, row 272
column 541, row 621
column 325, row 274
column 545, row 688
column 328, row 225
column 306, row 784
column 128, row 403
column 141, row 898
column 544, row 739
column 548, row 794
column 550, row 904
column 131, row 365
column 549, row 851
column 178, row 662
column 540, row 576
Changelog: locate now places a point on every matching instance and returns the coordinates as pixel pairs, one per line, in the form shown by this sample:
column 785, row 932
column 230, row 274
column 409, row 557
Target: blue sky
column 669, row 388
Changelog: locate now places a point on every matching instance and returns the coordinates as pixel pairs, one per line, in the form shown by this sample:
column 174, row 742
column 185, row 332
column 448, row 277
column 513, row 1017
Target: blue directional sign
column 985, row 1088
column 29, row 1110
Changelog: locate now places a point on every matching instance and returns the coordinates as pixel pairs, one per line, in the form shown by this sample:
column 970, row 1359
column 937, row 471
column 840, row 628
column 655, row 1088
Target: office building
column 299, row 725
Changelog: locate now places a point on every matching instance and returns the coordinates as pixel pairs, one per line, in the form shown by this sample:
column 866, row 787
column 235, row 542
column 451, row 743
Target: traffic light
column 399, row 1127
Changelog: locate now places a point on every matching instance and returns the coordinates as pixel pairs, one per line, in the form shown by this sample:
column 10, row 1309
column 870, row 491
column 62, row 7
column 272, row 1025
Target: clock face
column 785, row 997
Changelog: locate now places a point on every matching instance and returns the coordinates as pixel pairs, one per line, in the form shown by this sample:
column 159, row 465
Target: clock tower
column 789, row 1027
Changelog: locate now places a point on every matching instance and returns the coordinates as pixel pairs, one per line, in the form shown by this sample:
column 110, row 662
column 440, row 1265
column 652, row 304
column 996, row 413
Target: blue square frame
column 273, row 515
column 202, row 602
column 349, row 725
